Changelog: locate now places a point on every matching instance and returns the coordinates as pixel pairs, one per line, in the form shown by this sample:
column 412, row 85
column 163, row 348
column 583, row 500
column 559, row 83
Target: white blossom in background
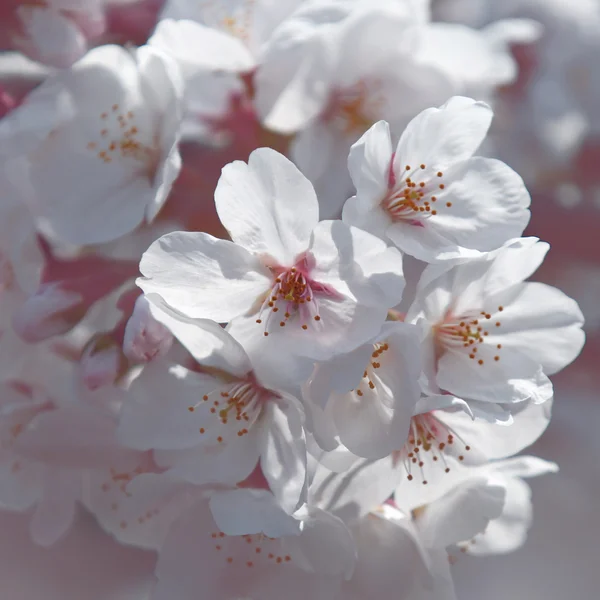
column 218, row 46
column 110, row 124
column 249, row 546
column 54, row 32
column 550, row 117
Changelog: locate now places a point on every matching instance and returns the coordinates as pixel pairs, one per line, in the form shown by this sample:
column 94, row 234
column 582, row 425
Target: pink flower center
column 413, row 197
column 293, row 299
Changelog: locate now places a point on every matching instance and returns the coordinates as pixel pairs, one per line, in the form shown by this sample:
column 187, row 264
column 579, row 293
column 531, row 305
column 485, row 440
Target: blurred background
column 547, row 127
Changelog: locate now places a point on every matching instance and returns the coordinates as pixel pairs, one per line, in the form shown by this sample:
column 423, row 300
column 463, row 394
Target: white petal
column 204, row 339
column 202, row 276
column 248, row 511
column 524, row 466
column 362, row 488
column 267, row 205
column 497, row 441
column 440, row 137
column 543, row 323
column 369, row 163
column 489, row 204
column 462, row 513
column 348, row 258
column 142, row 511
column 513, row 378
column 283, row 452
column 507, row 532
column 198, row 47
column 390, row 557
column 325, row 546
column 56, row 508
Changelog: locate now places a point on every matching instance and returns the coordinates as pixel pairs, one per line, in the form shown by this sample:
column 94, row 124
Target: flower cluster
column 319, row 384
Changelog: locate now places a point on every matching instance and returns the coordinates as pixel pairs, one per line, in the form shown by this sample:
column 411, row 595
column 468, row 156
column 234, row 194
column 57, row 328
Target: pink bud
column 53, row 310
column 145, row 338
column 102, row 362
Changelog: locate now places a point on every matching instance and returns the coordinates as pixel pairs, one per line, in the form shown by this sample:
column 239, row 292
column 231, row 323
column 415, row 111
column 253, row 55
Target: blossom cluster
column 320, row 383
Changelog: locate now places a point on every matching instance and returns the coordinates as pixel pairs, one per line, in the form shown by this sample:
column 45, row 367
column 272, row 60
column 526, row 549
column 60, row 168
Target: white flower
column 431, row 197
column 136, row 501
column 54, row 32
column 46, row 445
column 250, row 548
column 220, row 421
column 352, row 73
column 443, row 445
column 99, row 143
column 487, row 335
column 366, row 398
column 322, row 288
column 218, row 45
column 248, row 23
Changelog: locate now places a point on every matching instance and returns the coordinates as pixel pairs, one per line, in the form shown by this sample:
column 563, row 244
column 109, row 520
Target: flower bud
column 145, row 338
column 102, row 362
column 53, row 310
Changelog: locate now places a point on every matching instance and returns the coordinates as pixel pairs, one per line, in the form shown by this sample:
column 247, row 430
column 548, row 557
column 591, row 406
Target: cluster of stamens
column 119, row 139
column 429, row 435
column 235, row 403
column 256, row 551
column 374, row 363
column 292, row 295
column 411, row 199
column 469, row 332
column 238, row 24
column 352, row 109
column 120, row 480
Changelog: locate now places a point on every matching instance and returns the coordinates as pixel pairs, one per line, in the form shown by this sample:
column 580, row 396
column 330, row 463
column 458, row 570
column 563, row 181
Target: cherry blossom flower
column 117, row 148
column 47, row 443
column 221, row 420
column 218, row 45
column 250, row 548
column 366, row 398
column 323, row 286
column 443, row 446
column 55, row 32
column 431, row 197
column 352, row 73
column 488, row 511
column 487, row 335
